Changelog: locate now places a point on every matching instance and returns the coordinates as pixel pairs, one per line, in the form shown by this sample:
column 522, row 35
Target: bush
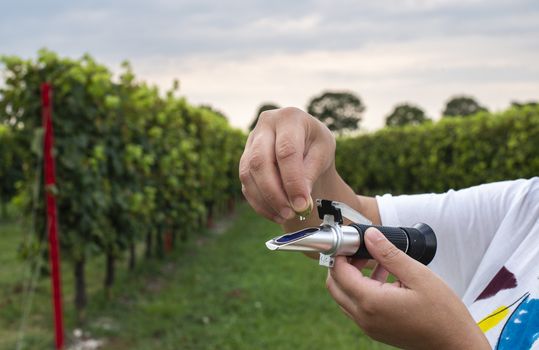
column 453, row 153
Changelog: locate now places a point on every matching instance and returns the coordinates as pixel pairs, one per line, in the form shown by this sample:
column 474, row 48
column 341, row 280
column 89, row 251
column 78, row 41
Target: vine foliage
column 132, row 165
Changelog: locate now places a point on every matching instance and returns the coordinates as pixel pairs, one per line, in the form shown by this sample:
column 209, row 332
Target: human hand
column 286, row 155
column 419, row 311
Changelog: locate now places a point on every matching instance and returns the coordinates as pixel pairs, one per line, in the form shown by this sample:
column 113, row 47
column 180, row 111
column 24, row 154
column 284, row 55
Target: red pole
column 52, row 228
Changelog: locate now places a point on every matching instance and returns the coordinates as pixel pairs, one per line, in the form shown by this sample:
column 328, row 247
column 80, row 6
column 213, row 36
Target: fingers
column 285, row 155
column 250, row 192
column 351, row 280
column 379, row 274
column 289, row 152
column 348, row 314
column 261, row 180
column 345, row 302
column 359, row 263
column 395, row 261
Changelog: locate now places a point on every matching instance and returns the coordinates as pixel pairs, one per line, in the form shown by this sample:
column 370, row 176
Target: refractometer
column 332, row 238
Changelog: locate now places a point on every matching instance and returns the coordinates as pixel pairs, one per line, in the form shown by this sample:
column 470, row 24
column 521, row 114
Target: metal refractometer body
column 332, row 238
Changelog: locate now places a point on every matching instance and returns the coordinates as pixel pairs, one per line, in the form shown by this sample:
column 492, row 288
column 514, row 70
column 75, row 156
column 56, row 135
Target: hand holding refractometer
column 332, row 238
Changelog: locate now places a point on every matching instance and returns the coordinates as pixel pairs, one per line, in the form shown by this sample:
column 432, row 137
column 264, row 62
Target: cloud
column 236, row 54
column 424, row 71
column 142, row 28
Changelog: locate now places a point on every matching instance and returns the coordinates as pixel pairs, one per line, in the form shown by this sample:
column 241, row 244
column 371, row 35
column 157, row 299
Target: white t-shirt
column 487, row 252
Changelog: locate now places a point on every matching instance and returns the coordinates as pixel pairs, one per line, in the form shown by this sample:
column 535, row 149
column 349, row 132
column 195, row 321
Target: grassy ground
column 219, row 291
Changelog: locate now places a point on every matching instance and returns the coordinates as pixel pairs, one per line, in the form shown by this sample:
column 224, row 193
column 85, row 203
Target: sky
column 236, row 54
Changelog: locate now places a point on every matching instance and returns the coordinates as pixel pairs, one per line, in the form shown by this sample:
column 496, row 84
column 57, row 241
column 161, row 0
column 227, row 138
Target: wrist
column 468, row 337
column 475, row 340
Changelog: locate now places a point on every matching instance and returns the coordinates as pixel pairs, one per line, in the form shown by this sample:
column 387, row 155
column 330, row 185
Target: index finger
column 351, row 280
column 289, row 152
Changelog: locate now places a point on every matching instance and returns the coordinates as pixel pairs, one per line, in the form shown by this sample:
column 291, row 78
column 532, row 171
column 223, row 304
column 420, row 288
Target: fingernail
column 300, row 204
column 287, row 213
column 373, row 235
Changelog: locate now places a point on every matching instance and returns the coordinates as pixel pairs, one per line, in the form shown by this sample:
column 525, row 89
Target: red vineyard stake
column 52, row 222
column 168, row 241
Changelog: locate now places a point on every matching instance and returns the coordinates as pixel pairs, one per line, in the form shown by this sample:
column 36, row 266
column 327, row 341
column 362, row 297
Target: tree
column 462, row 106
column 264, row 107
column 213, row 110
column 340, row 111
column 524, row 104
column 406, row 114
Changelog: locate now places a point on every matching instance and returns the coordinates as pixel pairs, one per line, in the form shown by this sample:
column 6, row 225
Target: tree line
column 342, row 111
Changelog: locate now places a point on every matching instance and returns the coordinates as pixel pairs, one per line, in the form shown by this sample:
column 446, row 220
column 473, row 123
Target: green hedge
column 452, row 153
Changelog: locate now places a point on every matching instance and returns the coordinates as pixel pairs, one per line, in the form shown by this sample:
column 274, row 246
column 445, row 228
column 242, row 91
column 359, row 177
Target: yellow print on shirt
column 495, row 317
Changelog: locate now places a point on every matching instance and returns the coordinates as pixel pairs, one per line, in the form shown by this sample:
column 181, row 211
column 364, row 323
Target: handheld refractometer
column 332, row 238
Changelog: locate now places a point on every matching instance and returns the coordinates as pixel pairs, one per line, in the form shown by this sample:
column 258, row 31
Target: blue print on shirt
column 522, row 329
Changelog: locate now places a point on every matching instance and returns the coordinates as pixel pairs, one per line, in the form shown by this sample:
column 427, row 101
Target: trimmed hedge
column 452, row 153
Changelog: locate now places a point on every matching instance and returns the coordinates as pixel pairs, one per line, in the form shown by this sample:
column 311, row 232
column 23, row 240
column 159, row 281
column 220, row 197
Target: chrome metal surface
column 351, row 214
column 321, row 240
column 349, row 242
column 330, row 239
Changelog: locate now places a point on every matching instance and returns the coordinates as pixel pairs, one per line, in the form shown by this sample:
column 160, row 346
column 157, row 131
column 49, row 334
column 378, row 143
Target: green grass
column 223, row 291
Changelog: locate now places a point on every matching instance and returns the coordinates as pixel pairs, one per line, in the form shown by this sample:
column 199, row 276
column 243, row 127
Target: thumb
column 394, row 260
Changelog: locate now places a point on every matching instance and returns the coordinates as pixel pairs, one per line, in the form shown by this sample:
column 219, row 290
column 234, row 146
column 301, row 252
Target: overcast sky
column 238, row 54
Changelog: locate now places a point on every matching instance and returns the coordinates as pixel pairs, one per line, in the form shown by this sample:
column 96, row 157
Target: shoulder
column 509, row 187
column 486, row 204
column 504, row 193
